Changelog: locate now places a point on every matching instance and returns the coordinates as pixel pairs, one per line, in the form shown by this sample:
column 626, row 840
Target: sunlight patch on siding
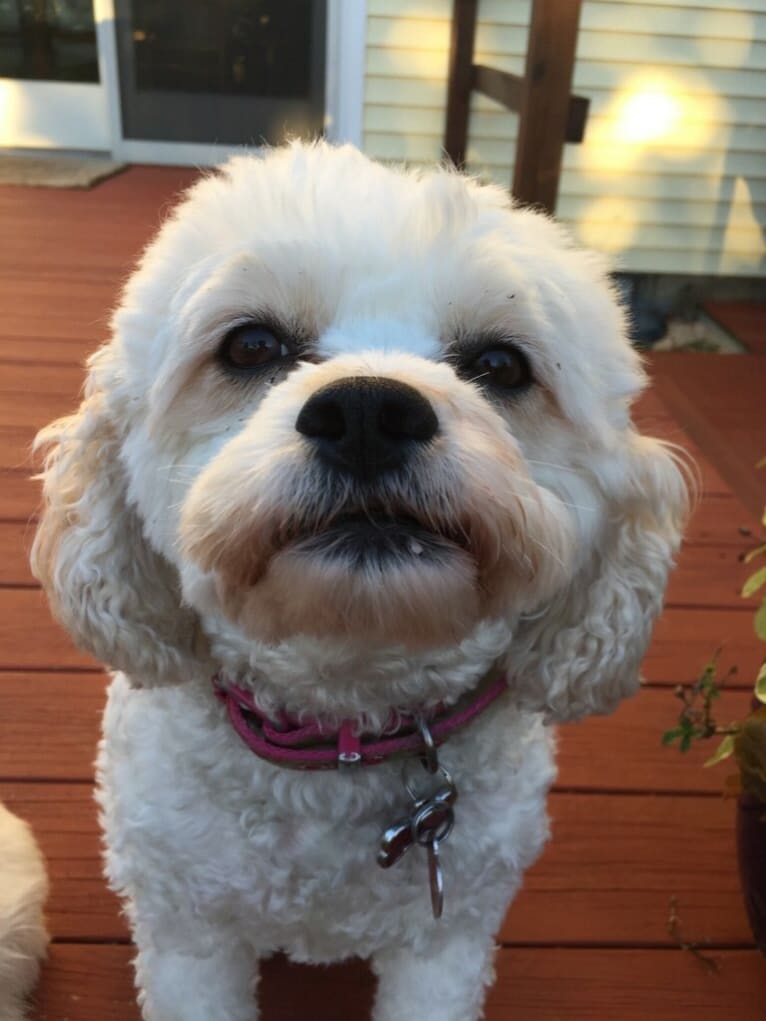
column 649, row 113
column 744, row 235
column 653, row 114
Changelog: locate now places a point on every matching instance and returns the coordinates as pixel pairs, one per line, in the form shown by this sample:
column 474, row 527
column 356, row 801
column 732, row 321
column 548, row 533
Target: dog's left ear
column 117, row 597
column 582, row 655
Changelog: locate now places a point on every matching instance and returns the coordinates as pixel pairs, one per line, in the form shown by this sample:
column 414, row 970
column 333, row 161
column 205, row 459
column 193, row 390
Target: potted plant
column 744, row 741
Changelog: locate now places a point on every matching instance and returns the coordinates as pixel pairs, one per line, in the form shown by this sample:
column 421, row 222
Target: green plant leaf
column 723, row 751
column 753, row 553
column 760, row 684
column 685, row 742
column 754, row 582
column 670, row 735
column 760, row 621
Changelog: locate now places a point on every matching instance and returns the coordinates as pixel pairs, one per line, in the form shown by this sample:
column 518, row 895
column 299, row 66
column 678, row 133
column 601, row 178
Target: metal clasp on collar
column 430, row 757
column 349, row 748
column 430, row 819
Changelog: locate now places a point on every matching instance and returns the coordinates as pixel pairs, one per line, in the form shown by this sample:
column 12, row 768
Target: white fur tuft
column 23, row 891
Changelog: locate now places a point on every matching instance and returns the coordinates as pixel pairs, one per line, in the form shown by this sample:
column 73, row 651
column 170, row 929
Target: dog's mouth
column 359, row 537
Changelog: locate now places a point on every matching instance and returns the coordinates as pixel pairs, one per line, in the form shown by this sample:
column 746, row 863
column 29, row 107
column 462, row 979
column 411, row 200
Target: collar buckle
column 349, row 748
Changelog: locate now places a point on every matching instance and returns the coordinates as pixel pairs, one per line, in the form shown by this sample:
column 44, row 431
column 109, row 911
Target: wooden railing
column 549, row 115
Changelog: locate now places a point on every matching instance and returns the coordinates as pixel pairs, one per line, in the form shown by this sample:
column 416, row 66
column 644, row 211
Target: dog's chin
column 379, row 581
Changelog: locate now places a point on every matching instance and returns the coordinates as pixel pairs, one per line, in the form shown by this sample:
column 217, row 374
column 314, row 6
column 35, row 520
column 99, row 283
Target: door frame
column 344, row 89
column 52, row 114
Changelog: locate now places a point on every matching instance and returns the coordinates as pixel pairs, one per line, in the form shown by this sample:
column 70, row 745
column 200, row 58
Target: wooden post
column 460, row 81
column 545, row 101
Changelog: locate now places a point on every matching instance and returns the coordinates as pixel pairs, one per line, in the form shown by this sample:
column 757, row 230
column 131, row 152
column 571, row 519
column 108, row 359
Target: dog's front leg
column 187, row 970
column 443, row 980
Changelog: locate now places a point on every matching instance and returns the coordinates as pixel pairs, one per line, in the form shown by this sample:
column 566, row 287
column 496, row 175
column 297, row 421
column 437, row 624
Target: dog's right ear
column 582, row 655
column 117, row 597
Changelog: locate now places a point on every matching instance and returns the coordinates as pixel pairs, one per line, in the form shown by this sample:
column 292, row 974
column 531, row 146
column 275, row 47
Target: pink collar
column 312, row 746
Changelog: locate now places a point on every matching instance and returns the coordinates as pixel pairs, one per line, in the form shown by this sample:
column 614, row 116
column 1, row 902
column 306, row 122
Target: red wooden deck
column 634, row 825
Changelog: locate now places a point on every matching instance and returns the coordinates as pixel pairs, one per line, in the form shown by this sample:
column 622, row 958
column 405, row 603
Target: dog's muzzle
column 364, row 426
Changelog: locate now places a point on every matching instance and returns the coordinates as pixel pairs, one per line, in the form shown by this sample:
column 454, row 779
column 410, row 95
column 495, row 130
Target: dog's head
column 378, row 409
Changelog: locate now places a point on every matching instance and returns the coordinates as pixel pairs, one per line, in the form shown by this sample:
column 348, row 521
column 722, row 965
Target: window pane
column 221, row 71
column 53, row 40
column 241, row 47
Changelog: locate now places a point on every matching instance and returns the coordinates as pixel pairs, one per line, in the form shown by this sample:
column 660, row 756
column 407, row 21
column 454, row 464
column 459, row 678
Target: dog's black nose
column 366, row 425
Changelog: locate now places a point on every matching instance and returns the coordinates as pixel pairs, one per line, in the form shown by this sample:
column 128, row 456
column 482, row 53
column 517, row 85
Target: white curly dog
column 360, row 450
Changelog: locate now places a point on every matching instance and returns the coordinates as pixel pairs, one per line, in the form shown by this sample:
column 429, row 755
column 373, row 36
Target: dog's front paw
column 445, row 981
column 219, row 986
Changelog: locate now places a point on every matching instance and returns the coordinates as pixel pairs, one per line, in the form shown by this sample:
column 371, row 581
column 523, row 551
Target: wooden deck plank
column 624, row 751
column 745, row 320
column 708, row 575
column 625, row 985
column 19, row 496
column 613, row 863
column 87, row 983
column 48, row 350
column 722, row 520
column 31, row 409
column 60, row 381
column 80, row 306
column 16, row 539
column 621, row 752
column 719, row 405
column 31, row 640
column 66, row 708
column 683, row 641
column 141, row 190
column 15, row 449
column 606, row 877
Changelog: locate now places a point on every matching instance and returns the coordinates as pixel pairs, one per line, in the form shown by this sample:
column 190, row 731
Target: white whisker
column 564, row 503
column 550, row 464
column 549, row 551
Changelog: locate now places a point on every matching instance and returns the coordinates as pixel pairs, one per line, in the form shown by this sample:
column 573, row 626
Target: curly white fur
column 171, row 547
column 23, row 891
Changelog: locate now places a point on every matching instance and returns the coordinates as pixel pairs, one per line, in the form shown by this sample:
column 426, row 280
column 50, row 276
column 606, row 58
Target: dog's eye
column 252, row 346
column 506, row 368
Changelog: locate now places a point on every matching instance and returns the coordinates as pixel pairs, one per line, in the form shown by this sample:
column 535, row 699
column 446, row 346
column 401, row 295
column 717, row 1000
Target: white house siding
column 672, row 174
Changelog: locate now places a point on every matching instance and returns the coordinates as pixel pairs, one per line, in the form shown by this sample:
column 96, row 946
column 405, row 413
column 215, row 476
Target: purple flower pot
column 751, row 854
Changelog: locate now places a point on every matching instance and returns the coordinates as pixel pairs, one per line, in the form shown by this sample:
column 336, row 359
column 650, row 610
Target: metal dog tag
column 431, row 818
column 428, row 824
column 435, row 878
column 396, row 841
